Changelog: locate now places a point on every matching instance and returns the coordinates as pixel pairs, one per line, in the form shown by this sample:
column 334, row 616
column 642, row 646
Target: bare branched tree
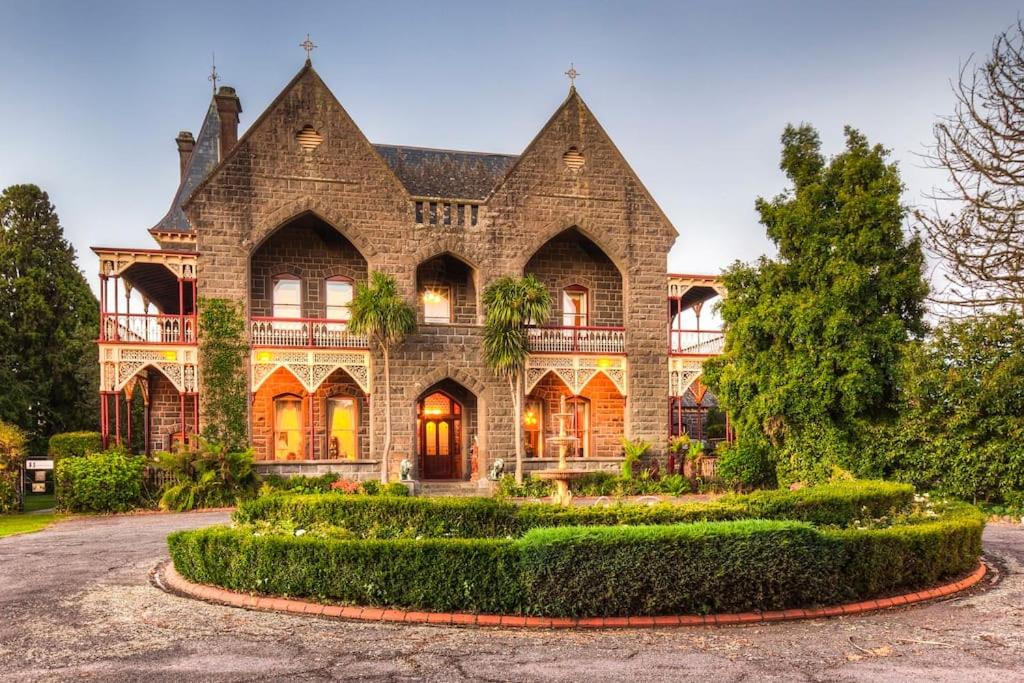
column 976, row 225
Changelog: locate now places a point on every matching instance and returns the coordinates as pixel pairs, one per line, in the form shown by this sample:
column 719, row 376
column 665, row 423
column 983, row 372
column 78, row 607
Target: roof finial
column 308, row 46
column 214, row 76
column 572, row 73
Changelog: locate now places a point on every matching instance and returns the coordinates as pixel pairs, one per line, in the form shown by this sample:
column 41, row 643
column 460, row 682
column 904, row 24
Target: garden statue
column 404, row 470
column 497, row 469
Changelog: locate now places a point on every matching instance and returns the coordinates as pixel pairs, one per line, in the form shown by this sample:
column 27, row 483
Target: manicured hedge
column 832, row 504
column 102, row 482
column 596, row 571
column 74, row 444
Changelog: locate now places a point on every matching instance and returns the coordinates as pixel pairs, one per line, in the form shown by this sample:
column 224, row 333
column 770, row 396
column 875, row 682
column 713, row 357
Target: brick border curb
column 170, row 580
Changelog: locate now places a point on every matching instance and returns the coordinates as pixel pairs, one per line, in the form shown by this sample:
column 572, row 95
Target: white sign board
column 38, row 464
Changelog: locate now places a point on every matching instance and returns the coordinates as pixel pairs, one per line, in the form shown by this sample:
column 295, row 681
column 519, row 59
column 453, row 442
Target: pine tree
column 814, row 337
column 48, row 322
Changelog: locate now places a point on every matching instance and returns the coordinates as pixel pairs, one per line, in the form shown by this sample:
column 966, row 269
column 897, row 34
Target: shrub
column 830, row 504
column 12, row 454
column 585, row 571
column 632, row 451
column 74, row 444
column 530, row 488
column 213, row 476
column 101, row 482
column 275, row 483
column 745, row 465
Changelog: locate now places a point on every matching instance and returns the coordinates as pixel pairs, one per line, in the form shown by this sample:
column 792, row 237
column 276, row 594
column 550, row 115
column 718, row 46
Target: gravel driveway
column 76, row 604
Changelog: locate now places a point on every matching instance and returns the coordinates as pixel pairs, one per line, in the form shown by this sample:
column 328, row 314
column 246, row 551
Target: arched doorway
column 439, row 435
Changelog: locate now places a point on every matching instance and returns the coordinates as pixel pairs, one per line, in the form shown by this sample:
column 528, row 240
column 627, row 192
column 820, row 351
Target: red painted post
column 117, row 418
column 128, row 419
column 147, row 414
column 103, row 305
column 117, row 323
column 104, row 421
column 181, row 398
column 181, row 316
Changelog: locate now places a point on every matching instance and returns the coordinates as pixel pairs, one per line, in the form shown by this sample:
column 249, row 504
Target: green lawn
column 24, row 524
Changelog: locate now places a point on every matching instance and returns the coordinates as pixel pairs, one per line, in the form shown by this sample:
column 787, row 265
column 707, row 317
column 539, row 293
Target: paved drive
column 76, row 604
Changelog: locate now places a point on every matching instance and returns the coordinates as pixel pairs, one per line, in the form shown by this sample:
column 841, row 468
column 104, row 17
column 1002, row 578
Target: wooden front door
column 440, row 436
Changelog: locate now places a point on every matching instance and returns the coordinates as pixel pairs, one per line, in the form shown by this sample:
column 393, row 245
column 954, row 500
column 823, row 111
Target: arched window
column 575, row 306
column 287, row 296
column 288, row 427
column 338, row 297
column 342, row 428
column 437, row 304
column 579, row 424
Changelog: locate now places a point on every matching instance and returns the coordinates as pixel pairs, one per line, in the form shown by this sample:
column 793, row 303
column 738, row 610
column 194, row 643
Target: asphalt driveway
column 76, row 603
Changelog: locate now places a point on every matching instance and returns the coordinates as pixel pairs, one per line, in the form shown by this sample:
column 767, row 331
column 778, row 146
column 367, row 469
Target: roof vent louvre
column 308, row 138
column 573, row 159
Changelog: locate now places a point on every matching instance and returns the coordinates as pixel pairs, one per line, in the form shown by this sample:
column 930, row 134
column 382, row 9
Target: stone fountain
column 561, row 475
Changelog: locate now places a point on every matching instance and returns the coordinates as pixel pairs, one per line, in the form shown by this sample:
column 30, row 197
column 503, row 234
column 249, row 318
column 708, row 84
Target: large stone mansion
column 288, row 217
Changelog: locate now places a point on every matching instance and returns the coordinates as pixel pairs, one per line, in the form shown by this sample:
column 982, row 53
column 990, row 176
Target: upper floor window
column 339, row 298
column 287, row 297
column 437, row 304
column 575, row 306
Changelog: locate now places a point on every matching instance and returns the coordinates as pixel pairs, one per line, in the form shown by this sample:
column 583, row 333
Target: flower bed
column 546, row 561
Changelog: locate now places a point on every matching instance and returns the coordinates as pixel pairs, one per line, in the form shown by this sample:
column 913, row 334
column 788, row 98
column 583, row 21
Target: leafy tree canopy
column 48, row 322
column 814, row 336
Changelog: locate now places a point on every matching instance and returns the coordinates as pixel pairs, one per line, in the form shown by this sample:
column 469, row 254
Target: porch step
column 460, row 489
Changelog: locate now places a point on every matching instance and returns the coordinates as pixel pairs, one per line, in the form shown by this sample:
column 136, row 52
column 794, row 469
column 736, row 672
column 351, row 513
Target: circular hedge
column 771, row 550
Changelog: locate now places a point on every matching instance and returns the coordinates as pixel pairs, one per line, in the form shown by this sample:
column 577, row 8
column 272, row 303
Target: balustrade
column 148, row 328
column 696, row 342
column 577, row 339
column 318, row 333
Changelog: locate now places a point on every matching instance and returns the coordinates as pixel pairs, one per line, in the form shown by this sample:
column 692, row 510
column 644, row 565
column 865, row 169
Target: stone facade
column 569, row 210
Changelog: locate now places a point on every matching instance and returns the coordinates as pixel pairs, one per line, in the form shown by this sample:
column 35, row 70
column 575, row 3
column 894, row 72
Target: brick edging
column 169, row 578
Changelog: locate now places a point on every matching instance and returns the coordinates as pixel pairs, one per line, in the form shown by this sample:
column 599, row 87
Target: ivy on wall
column 222, row 358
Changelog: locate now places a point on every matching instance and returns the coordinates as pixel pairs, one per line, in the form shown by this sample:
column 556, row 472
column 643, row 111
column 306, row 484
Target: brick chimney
column 186, row 143
column 228, row 109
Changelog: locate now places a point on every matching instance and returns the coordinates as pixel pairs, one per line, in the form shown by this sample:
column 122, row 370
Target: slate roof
column 446, row 173
column 205, row 156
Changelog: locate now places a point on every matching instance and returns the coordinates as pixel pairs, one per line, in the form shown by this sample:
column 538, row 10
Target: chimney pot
column 186, row 143
column 228, row 109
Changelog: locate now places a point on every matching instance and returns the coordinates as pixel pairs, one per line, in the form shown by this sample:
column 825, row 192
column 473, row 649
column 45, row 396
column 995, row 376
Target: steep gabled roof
column 447, row 173
column 205, row 156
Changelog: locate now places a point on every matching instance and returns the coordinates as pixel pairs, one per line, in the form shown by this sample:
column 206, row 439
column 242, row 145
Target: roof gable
column 306, row 100
column 545, row 159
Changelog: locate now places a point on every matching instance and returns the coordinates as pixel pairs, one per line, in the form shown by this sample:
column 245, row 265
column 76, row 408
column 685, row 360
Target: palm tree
column 378, row 311
column 511, row 304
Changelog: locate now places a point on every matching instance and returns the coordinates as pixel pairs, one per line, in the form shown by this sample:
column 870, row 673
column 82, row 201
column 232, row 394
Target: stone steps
column 457, row 489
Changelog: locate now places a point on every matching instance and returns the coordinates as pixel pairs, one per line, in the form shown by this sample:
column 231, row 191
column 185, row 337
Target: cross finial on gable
column 214, row 76
column 308, row 45
column 572, row 73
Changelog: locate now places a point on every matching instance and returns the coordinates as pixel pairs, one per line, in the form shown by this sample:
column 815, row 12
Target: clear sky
column 695, row 95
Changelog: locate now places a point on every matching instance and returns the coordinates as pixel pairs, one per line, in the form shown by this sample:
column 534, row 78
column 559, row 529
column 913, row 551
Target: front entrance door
column 440, row 436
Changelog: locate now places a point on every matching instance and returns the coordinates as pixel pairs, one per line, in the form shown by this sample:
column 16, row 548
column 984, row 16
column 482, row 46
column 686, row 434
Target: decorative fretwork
column 311, row 368
column 679, row 285
column 113, row 262
column 682, row 373
column 576, row 370
column 611, row 340
column 121, row 366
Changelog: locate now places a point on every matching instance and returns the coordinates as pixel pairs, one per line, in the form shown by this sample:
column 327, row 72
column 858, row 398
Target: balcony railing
column 696, row 342
column 319, row 333
column 577, row 339
column 148, row 328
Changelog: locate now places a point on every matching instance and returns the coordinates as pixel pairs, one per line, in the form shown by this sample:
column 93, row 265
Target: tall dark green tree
column 48, row 322
column 814, row 337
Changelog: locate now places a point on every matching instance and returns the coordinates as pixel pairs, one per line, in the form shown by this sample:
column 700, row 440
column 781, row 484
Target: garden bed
column 772, row 550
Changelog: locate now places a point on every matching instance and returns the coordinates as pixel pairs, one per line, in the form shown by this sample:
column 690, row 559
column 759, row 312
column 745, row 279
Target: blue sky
column 92, row 94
